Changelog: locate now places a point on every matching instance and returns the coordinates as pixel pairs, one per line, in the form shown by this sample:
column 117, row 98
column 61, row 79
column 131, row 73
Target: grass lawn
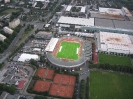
column 9, row 11
column 68, row 50
column 103, row 58
column 107, row 85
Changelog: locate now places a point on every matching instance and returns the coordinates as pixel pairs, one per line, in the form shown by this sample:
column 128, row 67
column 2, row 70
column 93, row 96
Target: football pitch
column 68, row 50
column 110, row 85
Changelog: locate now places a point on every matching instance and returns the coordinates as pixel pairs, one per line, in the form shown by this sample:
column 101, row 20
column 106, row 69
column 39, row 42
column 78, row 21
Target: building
column 14, row 23
column 73, row 22
column 8, row 30
column 6, row 95
column 6, row 1
column 26, row 57
column 44, row 35
column 115, row 43
column 2, row 37
column 21, row 84
column 126, row 11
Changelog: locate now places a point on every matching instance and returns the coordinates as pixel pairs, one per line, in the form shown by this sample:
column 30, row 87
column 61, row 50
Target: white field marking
column 60, row 48
column 77, row 50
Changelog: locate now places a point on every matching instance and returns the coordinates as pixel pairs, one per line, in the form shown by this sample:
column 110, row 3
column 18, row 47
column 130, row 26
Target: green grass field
column 103, row 58
column 69, row 50
column 9, row 11
column 107, row 85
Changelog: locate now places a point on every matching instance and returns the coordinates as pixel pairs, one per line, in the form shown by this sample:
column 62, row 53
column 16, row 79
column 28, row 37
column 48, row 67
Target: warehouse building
column 75, row 22
column 96, row 24
column 8, row 30
column 2, row 37
column 115, row 43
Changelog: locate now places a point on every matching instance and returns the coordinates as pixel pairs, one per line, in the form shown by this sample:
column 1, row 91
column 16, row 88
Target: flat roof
column 68, row 7
column 116, row 42
column 76, row 21
column 21, row 84
column 104, row 22
column 83, row 9
column 106, row 16
column 123, row 24
column 26, row 57
column 110, row 11
column 51, row 45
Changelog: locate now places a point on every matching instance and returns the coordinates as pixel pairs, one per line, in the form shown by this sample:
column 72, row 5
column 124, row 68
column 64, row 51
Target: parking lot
column 16, row 73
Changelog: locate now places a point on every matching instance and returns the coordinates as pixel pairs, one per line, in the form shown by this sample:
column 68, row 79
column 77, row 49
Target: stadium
column 68, row 53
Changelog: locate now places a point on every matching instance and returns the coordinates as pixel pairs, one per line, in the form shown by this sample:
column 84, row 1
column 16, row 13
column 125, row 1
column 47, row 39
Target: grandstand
column 51, row 45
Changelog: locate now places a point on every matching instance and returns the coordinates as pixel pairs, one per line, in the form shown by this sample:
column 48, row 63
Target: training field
column 110, row 85
column 103, row 58
column 68, row 50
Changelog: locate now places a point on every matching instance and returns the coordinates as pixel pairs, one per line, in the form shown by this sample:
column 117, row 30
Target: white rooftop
column 110, row 11
column 68, row 8
column 83, row 9
column 76, row 21
column 114, row 42
column 26, row 57
column 51, row 45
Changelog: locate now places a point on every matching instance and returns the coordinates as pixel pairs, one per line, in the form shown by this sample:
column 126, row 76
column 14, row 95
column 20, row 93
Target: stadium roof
column 123, row 24
column 83, row 9
column 76, row 21
column 51, row 45
column 21, row 84
column 68, row 7
column 104, row 22
column 26, row 57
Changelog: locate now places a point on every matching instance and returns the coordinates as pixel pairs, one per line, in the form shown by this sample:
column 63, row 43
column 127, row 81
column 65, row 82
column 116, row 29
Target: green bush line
column 107, row 66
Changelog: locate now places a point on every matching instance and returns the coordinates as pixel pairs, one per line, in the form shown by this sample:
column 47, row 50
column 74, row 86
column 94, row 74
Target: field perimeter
column 114, row 60
column 107, row 85
column 68, row 50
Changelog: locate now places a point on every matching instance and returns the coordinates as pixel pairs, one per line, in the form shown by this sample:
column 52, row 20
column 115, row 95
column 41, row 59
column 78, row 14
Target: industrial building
column 2, row 37
column 8, row 30
column 14, row 23
column 75, row 22
column 114, row 43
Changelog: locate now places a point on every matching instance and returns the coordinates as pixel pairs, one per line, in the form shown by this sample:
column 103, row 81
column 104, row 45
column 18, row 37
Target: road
column 12, row 45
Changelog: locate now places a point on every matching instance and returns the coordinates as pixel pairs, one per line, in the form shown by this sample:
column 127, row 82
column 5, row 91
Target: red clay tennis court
column 72, row 80
column 62, row 91
column 57, row 78
column 49, row 74
column 53, row 89
column 65, row 79
column 41, row 86
column 41, row 72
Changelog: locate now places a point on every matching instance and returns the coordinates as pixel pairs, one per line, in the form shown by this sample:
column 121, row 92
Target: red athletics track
column 95, row 55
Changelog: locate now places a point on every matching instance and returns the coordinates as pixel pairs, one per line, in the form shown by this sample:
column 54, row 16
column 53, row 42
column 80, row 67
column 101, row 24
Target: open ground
column 110, row 85
column 114, row 60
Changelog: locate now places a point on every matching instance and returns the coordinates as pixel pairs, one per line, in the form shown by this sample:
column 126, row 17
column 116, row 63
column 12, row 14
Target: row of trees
column 40, row 97
column 11, row 89
column 107, row 66
column 87, row 88
column 82, row 89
